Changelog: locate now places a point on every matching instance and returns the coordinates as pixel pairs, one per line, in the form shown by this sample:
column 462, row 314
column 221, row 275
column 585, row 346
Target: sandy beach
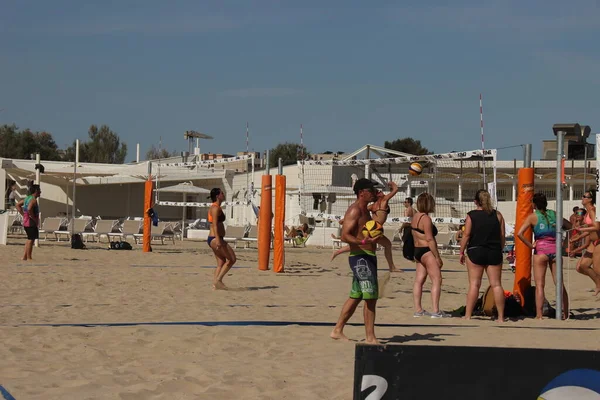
column 140, row 323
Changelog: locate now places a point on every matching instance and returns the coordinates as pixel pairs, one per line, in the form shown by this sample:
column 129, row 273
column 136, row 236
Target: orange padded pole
column 522, row 252
column 264, row 223
column 278, row 249
column 149, row 186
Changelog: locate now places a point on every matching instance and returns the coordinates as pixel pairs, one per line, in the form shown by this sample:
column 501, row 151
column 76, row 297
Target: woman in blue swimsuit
column 223, row 252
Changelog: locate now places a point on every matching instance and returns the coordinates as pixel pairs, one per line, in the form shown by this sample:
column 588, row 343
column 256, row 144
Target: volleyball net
column 451, row 178
column 208, row 168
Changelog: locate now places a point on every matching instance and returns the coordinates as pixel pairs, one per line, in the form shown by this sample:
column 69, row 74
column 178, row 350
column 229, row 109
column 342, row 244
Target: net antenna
column 482, row 141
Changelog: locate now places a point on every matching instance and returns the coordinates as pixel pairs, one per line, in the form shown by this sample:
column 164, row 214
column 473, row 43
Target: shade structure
column 185, row 188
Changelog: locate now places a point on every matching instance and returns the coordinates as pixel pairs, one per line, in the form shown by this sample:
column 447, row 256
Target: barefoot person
column 223, row 252
column 380, row 210
column 483, row 239
column 429, row 263
column 363, row 262
column 29, row 209
column 543, row 223
column 590, row 230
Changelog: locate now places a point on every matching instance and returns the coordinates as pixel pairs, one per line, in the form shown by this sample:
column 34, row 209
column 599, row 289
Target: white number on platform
column 380, row 384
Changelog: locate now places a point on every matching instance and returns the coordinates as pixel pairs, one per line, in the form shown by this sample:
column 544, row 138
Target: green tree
column 104, row 146
column 47, row 147
column 154, row 154
column 407, row 145
column 289, row 153
column 9, row 141
column 22, row 144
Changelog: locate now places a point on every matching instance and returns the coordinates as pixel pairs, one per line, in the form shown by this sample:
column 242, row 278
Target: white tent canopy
column 184, row 187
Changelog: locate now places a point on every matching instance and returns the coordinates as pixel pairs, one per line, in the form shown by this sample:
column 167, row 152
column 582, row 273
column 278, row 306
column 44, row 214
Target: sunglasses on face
column 586, row 197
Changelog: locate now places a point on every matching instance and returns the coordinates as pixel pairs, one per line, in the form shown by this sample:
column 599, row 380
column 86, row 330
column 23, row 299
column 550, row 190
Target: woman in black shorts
column 483, row 240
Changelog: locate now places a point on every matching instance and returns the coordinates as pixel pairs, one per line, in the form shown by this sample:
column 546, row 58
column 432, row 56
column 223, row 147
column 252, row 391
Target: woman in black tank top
column 483, row 241
column 429, row 263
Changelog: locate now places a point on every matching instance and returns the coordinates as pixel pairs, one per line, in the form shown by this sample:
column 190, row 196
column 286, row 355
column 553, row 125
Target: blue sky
column 352, row 72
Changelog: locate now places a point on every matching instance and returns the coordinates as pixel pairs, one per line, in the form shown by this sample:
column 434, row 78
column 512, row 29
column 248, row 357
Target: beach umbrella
column 185, row 188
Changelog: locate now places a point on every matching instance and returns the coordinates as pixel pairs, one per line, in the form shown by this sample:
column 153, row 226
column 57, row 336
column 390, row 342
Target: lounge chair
column 78, row 225
column 103, row 227
column 233, row 234
column 445, row 243
column 162, row 231
column 51, row 225
column 130, row 227
column 251, row 237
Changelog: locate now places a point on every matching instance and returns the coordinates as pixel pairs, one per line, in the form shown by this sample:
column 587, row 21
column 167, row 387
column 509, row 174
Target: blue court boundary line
column 239, row 323
column 5, row 394
column 282, row 323
column 179, row 266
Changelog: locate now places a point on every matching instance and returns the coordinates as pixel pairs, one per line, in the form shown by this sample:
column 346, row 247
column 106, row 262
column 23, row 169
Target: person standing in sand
column 363, row 262
column 481, row 247
column 223, row 252
column 543, row 224
column 429, row 263
column 379, row 212
column 589, row 263
column 30, row 210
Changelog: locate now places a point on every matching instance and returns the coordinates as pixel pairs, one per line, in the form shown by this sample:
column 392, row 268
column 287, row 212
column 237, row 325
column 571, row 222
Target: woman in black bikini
column 223, row 252
column 429, row 262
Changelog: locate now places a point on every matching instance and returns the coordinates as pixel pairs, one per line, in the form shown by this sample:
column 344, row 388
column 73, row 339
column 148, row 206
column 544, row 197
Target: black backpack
column 122, row 245
column 77, row 242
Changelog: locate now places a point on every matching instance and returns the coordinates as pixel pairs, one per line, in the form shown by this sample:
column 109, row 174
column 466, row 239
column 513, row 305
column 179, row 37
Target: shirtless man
column 379, row 212
column 363, row 262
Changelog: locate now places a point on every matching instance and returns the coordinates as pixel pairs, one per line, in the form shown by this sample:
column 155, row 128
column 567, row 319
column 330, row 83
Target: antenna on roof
column 191, row 135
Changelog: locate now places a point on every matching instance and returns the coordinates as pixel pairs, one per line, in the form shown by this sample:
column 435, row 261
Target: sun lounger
column 78, row 225
column 103, row 227
column 251, row 237
column 161, row 232
column 50, row 226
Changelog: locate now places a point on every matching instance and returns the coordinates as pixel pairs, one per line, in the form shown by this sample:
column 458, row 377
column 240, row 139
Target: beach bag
column 408, row 244
column 77, row 242
column 121, row 245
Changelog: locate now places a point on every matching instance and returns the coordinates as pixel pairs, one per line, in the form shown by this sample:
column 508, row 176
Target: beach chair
column 177, row 230
column 51, row 225
column 443, row 240
column 160, row 232
column 233, row 234
column 15, row 223
column 131, row 228
column 301, row 241
column 164, row 230
column 251, row 237
column 336, row 243
column 78, row 225
column 103, row 227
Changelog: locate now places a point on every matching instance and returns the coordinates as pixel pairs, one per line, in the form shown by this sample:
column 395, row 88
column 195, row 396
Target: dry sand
column 160, row 352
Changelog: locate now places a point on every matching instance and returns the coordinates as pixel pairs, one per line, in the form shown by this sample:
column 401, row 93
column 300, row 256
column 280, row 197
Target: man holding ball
column 363, row 262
